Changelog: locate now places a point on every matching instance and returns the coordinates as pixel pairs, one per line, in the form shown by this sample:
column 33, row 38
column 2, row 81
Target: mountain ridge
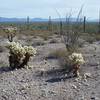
column 4, row 19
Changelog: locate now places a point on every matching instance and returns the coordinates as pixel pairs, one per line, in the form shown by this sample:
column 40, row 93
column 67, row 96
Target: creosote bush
column 19, row 55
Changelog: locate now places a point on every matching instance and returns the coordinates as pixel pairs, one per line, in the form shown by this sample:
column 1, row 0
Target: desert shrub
column 90, row 39
column 54, row 41
column 97, row 37
column 60, row 53
column 70, row 31
column 19, row 55
column 38, row 43
column 71, row 42
column 62, row 56
column 70, row 36
column 69, row 61
column 2, row 49
column 44, row 36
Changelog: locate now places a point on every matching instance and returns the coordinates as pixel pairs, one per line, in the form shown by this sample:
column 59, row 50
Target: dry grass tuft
column 58, row 53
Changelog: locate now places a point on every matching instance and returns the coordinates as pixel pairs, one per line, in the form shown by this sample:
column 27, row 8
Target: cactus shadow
column 58, row 79
column 57, row 75
column 4, row 69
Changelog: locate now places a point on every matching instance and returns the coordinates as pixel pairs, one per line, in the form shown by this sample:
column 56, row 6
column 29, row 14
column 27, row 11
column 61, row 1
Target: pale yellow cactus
column 10, row 32
column 20, row 55
column 76, row 59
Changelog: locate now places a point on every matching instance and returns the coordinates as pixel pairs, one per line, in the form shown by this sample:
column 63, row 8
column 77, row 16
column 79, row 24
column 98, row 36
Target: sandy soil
column 45, row 80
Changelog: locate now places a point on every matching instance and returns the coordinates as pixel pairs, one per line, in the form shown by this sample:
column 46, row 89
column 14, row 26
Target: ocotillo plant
column 28, row 22
column 70, row 37
column 50, row 24
column 61, row 27
column 99, row 23
column 72, row 33
column 84, row 24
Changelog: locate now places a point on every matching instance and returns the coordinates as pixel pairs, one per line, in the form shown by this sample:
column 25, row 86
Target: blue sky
column 44, row 8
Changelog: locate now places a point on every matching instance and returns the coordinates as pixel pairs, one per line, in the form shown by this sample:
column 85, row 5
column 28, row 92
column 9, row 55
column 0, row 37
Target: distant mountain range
column 3, row 19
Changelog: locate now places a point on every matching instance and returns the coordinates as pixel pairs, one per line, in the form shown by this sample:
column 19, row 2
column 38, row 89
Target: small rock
column 93, row 98
column 64, row 90
column 85, row 80
column 5, row 97
column 43, row 93
column 45, row 84
column 87, row 75
column 4, row 90
column 66, row 75
column 45, row 61
column 79, row 84
column 74, row 86
column 86, row 84
column 30, row 67
column 12, row 72
column 25, row 85
column 97, row 67
column 76, row 80
column 52, row 93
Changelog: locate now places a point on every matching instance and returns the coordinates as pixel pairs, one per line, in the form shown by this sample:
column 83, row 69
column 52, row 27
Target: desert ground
column 45, row 79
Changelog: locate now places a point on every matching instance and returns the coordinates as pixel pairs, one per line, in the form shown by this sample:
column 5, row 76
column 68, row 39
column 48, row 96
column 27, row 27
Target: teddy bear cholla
column 19, row 55
column 76, row 59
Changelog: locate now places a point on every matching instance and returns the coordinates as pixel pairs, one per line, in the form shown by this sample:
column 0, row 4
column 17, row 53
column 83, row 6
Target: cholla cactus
column 10, row 31
column 16, row 48
column 19, row 55
column 30, row 50
column 76, row 59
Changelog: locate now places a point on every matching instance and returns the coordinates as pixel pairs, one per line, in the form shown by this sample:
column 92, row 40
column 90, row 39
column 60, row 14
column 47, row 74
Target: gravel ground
column 45, row 81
